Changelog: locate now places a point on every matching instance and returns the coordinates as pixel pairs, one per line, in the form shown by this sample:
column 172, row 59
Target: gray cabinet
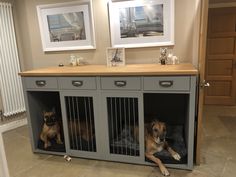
column 104, row 117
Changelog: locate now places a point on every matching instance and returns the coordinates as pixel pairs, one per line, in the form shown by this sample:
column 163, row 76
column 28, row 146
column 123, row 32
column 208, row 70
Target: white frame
column 168, row 16
column 111, row 51
column 84, row 6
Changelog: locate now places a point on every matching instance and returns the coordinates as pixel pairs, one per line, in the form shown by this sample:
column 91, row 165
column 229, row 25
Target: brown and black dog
column 155, row 134
column 51, row 128
column 82, row 129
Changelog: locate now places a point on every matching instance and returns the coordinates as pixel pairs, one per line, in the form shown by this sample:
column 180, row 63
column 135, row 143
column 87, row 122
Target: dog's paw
column 59, row 142
column 46, row 145
column 176, row 156
column 164, row 171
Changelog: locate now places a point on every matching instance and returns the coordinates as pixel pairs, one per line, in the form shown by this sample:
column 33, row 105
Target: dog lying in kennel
column 158, row 149
column 82, row 129
column 155, row 141
column 82, row 135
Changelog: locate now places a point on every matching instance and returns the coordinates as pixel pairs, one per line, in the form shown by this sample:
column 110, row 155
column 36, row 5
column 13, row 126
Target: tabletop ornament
column 165, row 58
column 76, row 60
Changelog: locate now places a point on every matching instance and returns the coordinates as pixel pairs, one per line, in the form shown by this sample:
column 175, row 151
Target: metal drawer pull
column 40, row 83
column 166, row 83
column 77, row 83
column 120, row 83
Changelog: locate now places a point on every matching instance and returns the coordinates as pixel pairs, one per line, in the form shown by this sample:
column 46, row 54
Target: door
column 201, row 66
column 124, row 135
column 80, row 120
column 221, row 56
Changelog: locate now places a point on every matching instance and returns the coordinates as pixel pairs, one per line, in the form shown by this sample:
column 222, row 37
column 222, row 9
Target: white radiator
column 10, row 82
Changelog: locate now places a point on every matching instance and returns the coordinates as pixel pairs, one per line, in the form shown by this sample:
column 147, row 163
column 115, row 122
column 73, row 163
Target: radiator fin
column 10, row 83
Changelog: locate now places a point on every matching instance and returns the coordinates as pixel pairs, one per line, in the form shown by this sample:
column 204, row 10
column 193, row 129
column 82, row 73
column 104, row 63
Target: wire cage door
column 80, row 119
column 123, row 126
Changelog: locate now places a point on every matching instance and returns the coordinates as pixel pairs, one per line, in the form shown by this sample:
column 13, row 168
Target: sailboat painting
column 138, row 23
column 67, row 26
column 115, row 56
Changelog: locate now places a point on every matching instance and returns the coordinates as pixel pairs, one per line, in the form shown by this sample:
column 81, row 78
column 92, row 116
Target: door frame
column 204, row 4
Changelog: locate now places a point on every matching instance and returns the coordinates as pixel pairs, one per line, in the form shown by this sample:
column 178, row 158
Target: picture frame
column 141, row 23
column 67, row 26
column 115, row 56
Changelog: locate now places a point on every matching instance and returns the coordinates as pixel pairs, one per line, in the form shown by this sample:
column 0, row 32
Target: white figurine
column 73, row 61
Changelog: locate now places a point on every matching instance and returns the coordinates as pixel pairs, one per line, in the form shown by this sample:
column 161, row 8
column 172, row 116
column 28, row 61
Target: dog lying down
column 155, row 134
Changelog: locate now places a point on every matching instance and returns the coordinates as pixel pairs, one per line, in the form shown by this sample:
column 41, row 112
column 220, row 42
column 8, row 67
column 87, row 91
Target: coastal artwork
column 141, row 21
column 66, row 27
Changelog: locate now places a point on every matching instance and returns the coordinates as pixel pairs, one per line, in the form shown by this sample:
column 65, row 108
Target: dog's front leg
column 44, row 138
column 162, row 167
column 174, row 154
column 59, row 139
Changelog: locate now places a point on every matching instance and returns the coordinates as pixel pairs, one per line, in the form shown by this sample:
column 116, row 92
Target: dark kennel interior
column 80, row 119
column 173, row 110
column 123, row 125
column 40, row 101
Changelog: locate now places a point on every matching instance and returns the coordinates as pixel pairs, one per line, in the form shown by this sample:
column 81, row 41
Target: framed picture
column 67, row 26
column 141, row 23
column 115, row 56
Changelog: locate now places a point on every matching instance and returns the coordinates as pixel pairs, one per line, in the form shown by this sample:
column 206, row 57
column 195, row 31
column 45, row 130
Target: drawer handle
column 77, row 83
column 120, row 83
column 40, row 83
column 166, row 83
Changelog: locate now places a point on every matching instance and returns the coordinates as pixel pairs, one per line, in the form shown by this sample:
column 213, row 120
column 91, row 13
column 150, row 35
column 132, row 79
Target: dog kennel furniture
column 102, row 110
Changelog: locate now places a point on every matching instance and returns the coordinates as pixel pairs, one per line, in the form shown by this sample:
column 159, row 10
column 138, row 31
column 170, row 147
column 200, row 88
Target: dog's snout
column 163, row 136
column 50, row 120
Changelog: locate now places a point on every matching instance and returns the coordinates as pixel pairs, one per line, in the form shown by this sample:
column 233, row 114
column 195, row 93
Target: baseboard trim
column 12, row 125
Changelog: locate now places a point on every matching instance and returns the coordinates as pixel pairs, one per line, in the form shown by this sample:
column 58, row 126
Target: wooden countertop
column 103, row 70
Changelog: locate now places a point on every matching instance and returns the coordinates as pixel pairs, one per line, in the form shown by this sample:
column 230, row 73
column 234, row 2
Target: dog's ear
column 43, row 113
column 154, row 122
column 149, row 129
column 53, row 110
column 164, row 126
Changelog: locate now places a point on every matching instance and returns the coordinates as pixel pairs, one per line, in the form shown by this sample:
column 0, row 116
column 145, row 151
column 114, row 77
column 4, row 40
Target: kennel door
column 79, row 110
column 123, row 117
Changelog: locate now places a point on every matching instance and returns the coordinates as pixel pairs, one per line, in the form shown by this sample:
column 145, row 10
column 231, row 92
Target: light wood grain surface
column 103, row 70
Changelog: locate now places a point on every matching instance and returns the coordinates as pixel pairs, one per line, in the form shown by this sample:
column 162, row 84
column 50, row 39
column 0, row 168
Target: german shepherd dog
column 155, row 134
column 51, row 128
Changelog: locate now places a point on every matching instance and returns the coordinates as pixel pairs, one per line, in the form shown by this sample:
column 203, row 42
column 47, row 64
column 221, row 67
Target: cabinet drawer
column 121, row 83
column 41, row 82
column 77, row 82
column 167, row 83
